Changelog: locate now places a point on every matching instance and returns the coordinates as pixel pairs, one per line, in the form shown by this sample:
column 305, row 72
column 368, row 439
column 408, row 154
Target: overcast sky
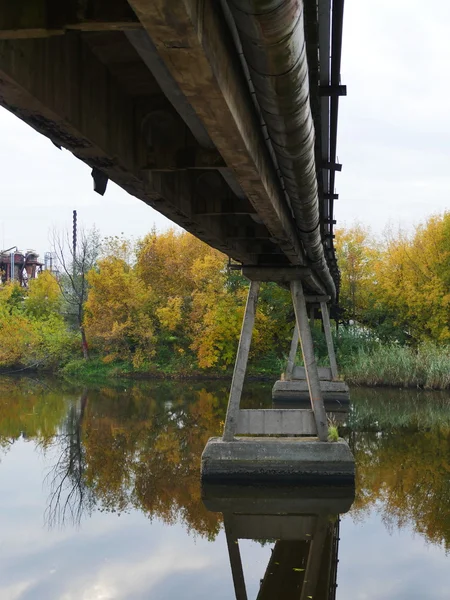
column 393, row 141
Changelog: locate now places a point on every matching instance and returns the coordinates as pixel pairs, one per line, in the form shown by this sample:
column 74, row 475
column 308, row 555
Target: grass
column 333, row 433
column 427, row 367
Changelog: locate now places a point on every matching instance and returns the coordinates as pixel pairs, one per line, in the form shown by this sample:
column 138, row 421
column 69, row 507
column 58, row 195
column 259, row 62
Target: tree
column 415, row 279
column 357, row 255
column 76, row 262
column 119, row 311
column 44, row 296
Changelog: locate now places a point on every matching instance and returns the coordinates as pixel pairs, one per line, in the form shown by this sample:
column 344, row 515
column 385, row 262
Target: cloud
column 394, row 124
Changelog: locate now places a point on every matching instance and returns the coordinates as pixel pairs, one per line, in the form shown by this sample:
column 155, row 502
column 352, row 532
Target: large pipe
column 273, row 42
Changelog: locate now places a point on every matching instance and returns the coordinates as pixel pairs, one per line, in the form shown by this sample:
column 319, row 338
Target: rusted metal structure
column 19, row 266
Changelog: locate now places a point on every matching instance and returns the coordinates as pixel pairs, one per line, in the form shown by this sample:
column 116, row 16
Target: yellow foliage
column 118, row 312
column 44, row 296
column 165, row 262
column 170, row 316
column 16, row 336
column 414, row 279
column 357, row 256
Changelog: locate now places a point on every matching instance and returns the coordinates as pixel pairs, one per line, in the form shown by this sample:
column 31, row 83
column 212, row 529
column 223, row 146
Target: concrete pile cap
column 278, row 460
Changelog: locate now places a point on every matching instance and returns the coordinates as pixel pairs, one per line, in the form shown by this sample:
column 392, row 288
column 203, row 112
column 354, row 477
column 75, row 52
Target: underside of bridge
column 221, row 115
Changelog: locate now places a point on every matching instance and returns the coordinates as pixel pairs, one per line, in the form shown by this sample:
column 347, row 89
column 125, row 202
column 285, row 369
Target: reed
column 427, row 366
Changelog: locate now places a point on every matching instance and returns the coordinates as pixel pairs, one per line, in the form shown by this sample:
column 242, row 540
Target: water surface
column 100, row 498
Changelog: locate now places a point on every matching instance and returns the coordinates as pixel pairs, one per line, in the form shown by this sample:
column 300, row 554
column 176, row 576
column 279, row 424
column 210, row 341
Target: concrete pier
column 286, row 460
column 296, row 390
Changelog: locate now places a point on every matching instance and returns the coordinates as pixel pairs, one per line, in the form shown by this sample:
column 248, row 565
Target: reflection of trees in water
column 149, row 458
column 126, row 450
column 138, row 447
column 70, row 496
column 407, row 474
column 30, row 410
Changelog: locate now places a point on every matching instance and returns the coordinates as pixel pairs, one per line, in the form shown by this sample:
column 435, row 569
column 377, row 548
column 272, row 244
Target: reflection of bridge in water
column 223, row 117
column 303, row 524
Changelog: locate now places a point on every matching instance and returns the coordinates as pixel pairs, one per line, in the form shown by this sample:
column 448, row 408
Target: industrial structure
column 222, row 115
column 19, row 266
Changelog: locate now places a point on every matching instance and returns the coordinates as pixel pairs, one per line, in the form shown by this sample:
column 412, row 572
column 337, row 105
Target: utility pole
column 74, row 243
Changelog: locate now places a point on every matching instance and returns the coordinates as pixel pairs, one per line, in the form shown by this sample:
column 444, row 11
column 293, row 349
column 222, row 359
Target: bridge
column 220, row 114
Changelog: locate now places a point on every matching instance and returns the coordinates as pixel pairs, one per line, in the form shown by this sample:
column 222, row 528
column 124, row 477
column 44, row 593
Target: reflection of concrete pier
column 304, row 524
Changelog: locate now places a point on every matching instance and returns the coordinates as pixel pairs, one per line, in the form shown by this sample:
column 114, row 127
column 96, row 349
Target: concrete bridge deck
column 221, row 115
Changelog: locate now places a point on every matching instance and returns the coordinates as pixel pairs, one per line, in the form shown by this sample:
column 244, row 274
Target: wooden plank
column 312, row 376
column 273, row 421
column 300, row 373
column 240, row 367
column 60, row 88
column 329, row 339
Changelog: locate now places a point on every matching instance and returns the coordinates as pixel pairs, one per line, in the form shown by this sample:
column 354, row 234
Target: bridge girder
column 78, row 75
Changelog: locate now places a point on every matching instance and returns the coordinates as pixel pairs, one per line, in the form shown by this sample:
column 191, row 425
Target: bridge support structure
column 293, row 386
column 279, row 444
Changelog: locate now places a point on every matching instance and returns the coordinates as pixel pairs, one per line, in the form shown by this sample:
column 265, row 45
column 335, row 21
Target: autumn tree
column 357, row 255
column 174, row 264
column 414, row 279
column 119, row 312
column 44, row 296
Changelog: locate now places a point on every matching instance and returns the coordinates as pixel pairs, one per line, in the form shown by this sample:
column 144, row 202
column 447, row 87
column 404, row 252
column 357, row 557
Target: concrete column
column 329, row 338
column 292, row 354
column 312, row 374
column 240, row 366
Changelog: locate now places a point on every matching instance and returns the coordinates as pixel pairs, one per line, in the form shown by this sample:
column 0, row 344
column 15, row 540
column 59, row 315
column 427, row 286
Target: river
column 100, row 499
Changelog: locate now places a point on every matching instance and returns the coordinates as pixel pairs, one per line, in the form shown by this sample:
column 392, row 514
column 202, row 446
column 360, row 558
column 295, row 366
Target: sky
column 393, row 139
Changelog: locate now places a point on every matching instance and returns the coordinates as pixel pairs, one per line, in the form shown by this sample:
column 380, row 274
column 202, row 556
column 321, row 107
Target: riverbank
column 95, row 370
column 427, row 367
column 362, row 362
